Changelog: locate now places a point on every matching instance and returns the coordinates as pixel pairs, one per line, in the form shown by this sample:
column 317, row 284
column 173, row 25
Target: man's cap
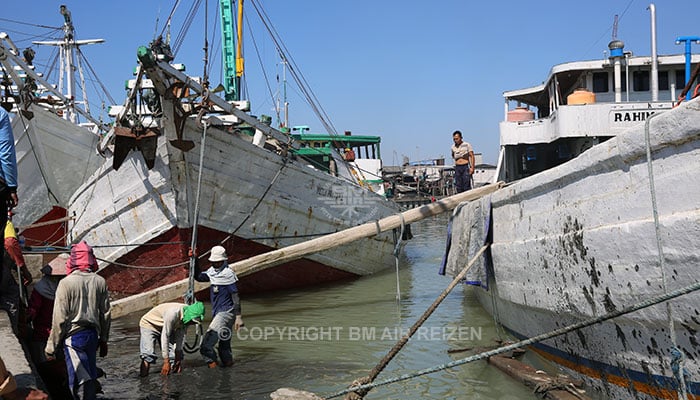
column 218, row 253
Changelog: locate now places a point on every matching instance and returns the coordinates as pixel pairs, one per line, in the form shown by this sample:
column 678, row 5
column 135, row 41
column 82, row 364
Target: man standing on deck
column 463, row 155
column 226, row 308
column 81, row 321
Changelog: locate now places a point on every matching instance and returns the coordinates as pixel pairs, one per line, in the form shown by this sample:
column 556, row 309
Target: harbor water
column 323, row 338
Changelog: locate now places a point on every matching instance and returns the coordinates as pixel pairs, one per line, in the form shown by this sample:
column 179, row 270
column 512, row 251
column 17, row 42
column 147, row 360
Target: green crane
column 232, row 49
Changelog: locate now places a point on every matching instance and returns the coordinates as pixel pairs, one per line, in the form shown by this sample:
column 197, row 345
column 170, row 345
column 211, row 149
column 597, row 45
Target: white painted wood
column 133, row 205
column 54, row 157
column 578, row 241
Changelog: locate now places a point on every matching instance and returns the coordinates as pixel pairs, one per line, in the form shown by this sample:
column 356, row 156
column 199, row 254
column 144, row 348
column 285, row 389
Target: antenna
column 614, row 29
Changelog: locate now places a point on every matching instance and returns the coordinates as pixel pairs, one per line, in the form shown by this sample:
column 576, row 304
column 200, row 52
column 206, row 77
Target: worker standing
column 463, row 155
column 81, row 321
column 226, row 308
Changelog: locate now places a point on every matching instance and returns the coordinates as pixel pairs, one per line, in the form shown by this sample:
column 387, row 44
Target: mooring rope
column 677, row 355
column 285, row 159
column 592, row 321
column 360, row 392
column 189, row 295
column 397, row 250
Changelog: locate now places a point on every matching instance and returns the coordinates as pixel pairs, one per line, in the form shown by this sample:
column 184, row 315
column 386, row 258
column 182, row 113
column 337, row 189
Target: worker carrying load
column 349, row 155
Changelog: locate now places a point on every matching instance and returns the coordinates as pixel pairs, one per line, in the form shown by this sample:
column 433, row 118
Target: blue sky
column 409, row 71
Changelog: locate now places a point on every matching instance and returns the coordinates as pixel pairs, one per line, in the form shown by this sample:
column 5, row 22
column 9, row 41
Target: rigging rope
column 558, row 332
column 397, row 250
column 189, row 295
column 255, row 207
column 360, row 392
column 311, row 98
column 662, row 265
column 36, row 157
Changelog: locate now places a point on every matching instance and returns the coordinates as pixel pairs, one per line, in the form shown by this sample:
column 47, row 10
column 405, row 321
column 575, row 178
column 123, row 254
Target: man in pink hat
column 81, row 321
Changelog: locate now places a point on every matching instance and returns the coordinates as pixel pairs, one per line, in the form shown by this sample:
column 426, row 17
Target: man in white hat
column 225, row 307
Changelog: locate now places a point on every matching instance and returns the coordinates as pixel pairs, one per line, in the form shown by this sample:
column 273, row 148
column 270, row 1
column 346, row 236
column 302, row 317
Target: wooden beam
column 369, row 229
column 280, row 256
column 163, row 294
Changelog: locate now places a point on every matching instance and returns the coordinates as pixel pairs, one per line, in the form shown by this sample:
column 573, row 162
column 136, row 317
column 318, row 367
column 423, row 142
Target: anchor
column 179, row 90
column 144, row 140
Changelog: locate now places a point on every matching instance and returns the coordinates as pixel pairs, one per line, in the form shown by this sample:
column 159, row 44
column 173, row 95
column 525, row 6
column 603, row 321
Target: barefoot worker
column 225, row 308
column 165, row 324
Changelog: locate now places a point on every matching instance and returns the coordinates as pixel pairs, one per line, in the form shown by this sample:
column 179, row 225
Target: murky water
column 321, row 339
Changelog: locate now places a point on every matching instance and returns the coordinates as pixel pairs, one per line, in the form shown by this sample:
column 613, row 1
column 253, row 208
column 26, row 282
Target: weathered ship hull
column 252, row 199
column 580, row 240
column 54, row 158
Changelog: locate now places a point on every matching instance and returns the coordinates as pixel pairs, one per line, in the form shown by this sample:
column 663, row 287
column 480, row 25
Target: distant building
column 483, row 174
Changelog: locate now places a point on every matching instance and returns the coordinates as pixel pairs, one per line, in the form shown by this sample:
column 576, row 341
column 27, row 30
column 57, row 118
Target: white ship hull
column 579, row 241
column 54, row 157
column 251, row 200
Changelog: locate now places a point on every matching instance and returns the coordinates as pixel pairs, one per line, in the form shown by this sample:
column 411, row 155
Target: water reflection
column 321, row 339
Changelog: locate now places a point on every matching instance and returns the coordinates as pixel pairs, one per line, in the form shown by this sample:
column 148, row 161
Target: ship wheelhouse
column 580, row 105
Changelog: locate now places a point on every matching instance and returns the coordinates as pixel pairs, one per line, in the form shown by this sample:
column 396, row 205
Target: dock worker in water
column 166, row 324
column 226, row 308
column 463, row 155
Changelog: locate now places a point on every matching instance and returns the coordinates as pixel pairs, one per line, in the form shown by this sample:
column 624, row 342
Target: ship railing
column 169, row 72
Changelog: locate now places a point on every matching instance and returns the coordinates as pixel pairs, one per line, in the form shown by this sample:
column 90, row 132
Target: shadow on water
column 322, row 338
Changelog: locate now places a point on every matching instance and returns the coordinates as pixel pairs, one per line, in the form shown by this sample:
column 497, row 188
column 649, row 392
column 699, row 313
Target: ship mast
column 68, row 47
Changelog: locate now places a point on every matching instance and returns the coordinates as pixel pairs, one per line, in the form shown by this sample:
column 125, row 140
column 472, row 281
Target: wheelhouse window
column 680, row 79
column 640, row 81
column 600, row 82
column 663, row 80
